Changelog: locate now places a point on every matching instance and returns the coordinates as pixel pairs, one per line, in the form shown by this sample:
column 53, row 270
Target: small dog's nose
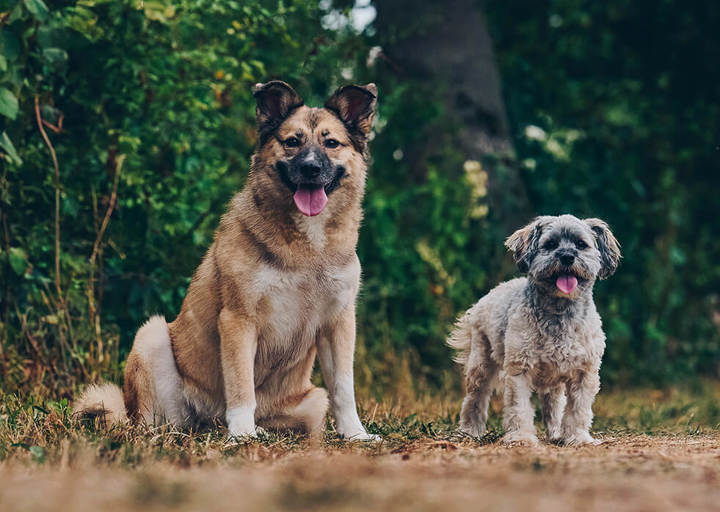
column 566, row 258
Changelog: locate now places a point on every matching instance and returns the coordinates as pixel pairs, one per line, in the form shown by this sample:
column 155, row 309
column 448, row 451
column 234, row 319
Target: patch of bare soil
column 637, row 472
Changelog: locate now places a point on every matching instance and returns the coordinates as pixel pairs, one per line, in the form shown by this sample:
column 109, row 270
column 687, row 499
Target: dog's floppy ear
column 355, row 106
column 608, row 246
column 524, row 242
column 274, row 102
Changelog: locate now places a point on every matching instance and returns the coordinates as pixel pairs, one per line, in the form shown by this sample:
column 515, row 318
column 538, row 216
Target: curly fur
column 532, row 336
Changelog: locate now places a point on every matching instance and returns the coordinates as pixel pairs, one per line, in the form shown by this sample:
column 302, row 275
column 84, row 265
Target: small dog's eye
column 581, row 245
column 550, row 245
column 331, row 143
column 292, row 142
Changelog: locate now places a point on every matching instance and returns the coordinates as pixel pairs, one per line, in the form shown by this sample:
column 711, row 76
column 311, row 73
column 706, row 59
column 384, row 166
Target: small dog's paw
column 473, row 430
column 519, row 439
column 581, row 439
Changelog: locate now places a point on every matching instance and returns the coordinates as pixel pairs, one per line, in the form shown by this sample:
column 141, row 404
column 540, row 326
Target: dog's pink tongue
column 310, row 200
column 566, row 283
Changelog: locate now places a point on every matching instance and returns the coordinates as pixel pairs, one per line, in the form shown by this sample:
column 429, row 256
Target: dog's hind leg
column 553, row 405
column 480, row 375
column 153, row 386
column 305, row 412
column 288, row 400
column 311, row 411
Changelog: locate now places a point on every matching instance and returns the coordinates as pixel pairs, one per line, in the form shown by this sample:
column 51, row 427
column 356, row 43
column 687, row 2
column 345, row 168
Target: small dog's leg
column 238, row 343
column 578, row 412
column 553, row 405
column 479, row 384
column 473, row 416
column 336, row 349
column 519, row 412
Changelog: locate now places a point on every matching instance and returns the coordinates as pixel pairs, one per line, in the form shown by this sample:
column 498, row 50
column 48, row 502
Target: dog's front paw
column 244, row 434
column 366, row 437
column 241, row 423
column 520, row 438
column 580, row 439
column 472, row 429
column 361, row 436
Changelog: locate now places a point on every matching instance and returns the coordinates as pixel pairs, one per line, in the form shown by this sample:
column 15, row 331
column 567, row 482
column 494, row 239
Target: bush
column 148, row 107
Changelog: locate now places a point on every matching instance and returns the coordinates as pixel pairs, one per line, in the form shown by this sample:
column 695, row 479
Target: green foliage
column 615, row 114
column 626, row 99
column 150, row 102
column 155, row 96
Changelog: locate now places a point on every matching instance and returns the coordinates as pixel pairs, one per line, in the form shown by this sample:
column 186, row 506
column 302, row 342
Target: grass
column 661, row 451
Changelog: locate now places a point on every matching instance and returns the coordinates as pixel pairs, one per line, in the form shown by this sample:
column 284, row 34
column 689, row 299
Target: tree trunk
column 448, row 43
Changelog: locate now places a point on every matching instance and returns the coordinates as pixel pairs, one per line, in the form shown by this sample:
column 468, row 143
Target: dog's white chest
column 293, row 305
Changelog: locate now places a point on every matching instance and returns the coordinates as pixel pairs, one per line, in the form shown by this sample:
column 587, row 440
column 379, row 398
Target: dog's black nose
column 310, row 170
column 566, row 258
column 311, row 164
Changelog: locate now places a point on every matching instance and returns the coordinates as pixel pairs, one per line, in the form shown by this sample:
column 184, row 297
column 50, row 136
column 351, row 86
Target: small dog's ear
column 524, row 243
column 355, row 106
column 274, row 102
column 608, row 246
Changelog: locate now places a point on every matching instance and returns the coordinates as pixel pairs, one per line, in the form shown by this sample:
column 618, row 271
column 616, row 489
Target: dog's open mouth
column 310, row 199
column 566, row 283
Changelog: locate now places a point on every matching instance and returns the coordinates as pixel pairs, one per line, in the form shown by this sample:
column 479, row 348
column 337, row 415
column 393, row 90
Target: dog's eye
column 292, row 142
column 331, row 143
column 581, row 245
column 550, row 245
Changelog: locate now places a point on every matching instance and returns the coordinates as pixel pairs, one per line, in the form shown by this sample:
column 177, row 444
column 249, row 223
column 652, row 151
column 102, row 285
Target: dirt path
column 626, row 473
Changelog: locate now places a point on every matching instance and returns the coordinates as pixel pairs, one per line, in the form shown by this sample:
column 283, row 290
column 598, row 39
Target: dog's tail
column 461, row 337
column 102, row 401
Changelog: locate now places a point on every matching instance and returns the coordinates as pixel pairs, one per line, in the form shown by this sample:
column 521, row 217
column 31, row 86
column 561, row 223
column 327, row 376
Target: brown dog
column 277, row 285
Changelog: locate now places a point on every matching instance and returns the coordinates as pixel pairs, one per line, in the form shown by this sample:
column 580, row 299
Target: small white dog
column 540, row 333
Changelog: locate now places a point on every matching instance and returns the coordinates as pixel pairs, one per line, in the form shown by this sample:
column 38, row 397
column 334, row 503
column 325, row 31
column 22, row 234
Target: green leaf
column 55, row 55
column 45, row 36
column 8, row 103
column 9, row 45
column 7, row 145
column 3, row 63
column 158, row 11
column 37, row 8
column 18, row 260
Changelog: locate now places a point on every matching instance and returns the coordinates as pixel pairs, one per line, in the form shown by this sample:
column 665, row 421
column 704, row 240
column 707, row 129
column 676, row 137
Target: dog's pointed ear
column 607, row 245
column 524, row 242
column 355, row 106
column 275, row 100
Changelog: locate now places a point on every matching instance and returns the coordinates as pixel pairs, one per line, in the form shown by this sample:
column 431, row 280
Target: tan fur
column 104, row 402
column 273, row 283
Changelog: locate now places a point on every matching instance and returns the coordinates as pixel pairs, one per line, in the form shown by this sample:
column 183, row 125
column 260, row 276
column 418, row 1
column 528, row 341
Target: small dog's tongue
column 566, row 283
column 310, row 200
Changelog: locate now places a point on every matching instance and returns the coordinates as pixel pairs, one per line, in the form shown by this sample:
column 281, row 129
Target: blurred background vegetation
column 127, row 125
